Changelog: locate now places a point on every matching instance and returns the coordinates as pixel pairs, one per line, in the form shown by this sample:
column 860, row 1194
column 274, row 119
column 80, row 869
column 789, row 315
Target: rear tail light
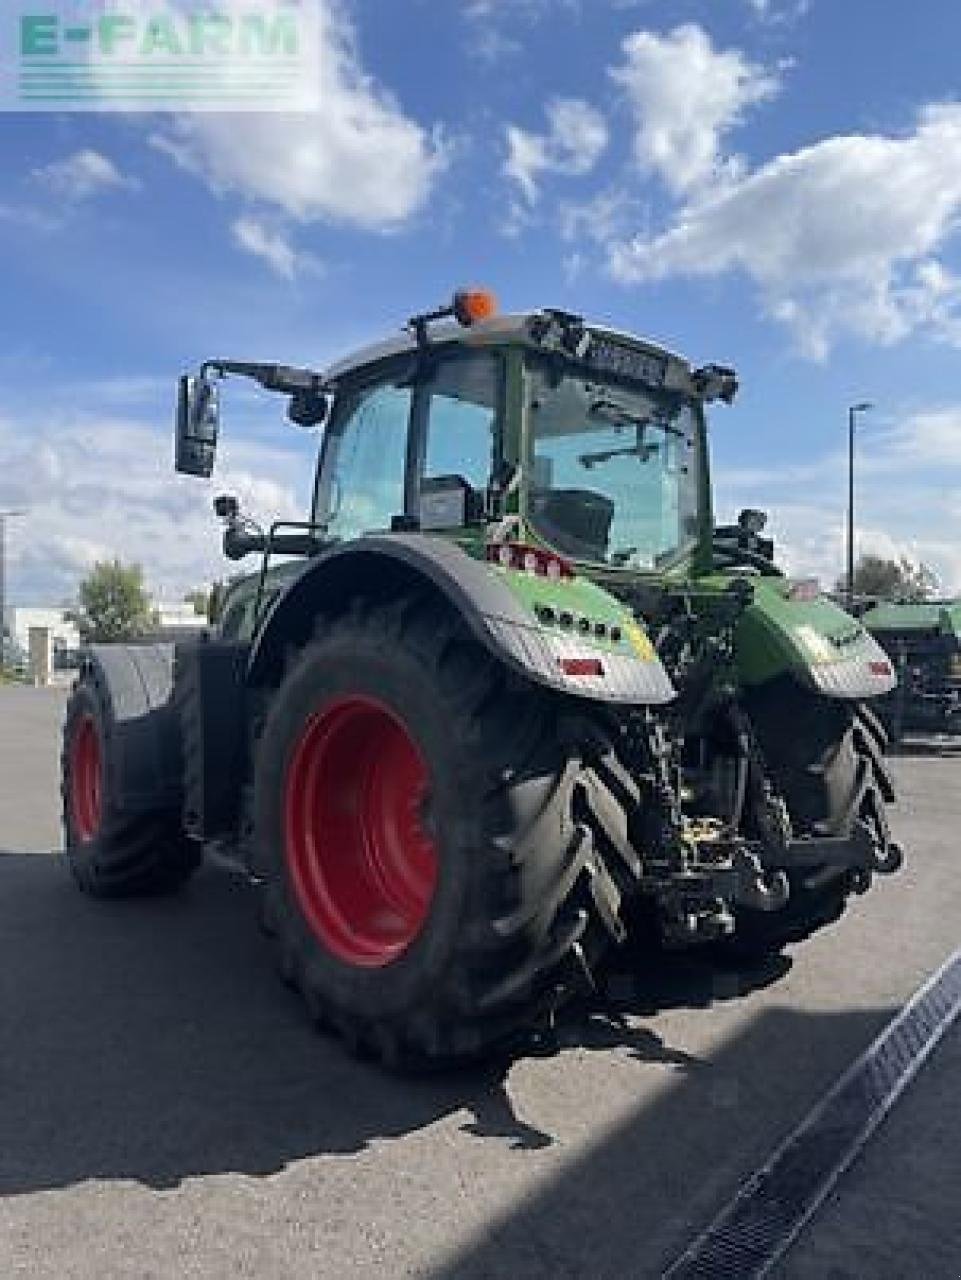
column 805, row 589
column 527, row 559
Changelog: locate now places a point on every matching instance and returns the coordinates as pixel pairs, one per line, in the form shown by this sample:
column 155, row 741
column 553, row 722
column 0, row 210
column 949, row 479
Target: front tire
column 826, row 759
column 112, row 849
column 433, row 862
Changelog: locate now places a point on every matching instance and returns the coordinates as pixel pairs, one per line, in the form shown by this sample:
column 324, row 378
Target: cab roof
column 514, row 327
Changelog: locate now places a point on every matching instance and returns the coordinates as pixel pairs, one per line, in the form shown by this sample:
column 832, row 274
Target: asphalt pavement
column 167, row 1110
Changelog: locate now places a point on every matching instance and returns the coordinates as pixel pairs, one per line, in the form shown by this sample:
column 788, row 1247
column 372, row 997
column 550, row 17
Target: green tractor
column 502, row 698
column 923, row 641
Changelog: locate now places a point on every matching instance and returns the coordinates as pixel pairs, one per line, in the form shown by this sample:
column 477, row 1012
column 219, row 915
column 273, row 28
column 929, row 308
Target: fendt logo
column 180, row 55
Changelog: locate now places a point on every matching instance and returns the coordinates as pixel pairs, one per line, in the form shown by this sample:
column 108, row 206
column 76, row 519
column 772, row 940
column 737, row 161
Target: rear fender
column 599, row 652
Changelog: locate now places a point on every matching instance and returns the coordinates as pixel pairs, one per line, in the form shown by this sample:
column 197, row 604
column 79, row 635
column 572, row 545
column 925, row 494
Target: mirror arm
column 288, row 379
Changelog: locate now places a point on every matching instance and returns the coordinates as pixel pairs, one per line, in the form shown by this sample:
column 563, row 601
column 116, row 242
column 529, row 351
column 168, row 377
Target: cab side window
column 366, row 461
column 462, row 418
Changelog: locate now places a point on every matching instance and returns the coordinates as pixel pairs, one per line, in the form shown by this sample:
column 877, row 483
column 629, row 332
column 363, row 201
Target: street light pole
column 853, row 410
column 3, row 576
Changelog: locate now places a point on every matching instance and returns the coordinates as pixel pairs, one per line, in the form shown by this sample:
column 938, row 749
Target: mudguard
column 142, row 728
column 816, row 641
column 566, row 634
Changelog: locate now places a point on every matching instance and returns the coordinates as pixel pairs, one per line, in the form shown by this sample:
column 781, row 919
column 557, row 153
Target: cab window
column 462, row 417
column 365, row 460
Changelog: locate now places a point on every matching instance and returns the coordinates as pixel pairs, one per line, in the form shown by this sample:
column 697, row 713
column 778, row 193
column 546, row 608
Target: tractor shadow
column 153, row 1041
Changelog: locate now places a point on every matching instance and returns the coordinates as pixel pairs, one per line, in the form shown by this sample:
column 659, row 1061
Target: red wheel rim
column 362, row 865
column 86, row 779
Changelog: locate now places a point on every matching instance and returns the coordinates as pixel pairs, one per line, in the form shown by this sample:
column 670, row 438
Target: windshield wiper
column 620, row 416
column 639, row 450
column 616, row 412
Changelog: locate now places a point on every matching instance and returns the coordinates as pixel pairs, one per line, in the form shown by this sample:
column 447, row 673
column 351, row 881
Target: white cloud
column 103, row 486
column 490, row 44
column 495, row 27
column 686, row 96
column 84, row 174
column 30, row 217
column 530, row 10
column 601, row 220
column 779, row 11
column 931, row 440
column 575, row 140
column 359, row 160
column 810, row 541
column 908, row 499
column 272, row 246
column 840, row 236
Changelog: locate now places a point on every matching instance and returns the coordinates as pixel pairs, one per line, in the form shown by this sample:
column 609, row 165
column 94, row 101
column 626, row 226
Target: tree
column 200, row 599
column 206, row 603
column 113, row 603
column 891, row 579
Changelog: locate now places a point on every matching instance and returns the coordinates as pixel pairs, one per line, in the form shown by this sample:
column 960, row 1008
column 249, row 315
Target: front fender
column 815, row 641
column 142, row 746
column 566, row 634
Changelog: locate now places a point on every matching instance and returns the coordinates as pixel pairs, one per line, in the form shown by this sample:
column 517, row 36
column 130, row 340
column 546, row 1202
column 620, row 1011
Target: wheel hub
column 360, row 857
column 86, row 780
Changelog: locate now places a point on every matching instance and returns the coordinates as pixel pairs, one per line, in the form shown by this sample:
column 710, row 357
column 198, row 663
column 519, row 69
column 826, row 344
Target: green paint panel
column 582, row 600
column 242, row 593
column 777, row 634
column 940, row 615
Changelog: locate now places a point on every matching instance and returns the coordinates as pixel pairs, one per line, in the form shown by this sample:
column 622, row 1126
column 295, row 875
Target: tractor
column 504, row 698
column 923, row 641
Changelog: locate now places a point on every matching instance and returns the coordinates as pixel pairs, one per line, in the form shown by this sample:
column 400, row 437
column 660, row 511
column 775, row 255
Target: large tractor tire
column 117, row 844
column 438, row 877
column 826, row 759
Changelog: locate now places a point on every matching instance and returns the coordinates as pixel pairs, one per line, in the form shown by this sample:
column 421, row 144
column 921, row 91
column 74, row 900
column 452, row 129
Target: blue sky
column 775, row 185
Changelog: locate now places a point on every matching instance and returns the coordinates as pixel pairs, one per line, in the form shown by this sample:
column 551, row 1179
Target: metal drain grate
column 757, row 1226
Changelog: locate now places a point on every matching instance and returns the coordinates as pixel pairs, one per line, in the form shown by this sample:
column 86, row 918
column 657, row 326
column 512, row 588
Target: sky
column 773, row 184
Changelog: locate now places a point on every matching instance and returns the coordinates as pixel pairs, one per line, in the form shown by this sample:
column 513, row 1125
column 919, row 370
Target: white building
column 177, row 613
column 19, row 619
column 171, row 616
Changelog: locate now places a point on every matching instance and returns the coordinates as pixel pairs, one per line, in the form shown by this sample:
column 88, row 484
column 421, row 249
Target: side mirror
column 197, row 426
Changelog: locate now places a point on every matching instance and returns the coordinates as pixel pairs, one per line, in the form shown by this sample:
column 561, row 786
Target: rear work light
column 527, row 559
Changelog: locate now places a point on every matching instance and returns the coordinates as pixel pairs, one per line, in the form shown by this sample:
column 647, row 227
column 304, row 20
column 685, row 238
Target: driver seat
column 576, row 521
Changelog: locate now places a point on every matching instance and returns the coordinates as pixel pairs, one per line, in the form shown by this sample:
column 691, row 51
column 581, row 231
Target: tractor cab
column 535, row 427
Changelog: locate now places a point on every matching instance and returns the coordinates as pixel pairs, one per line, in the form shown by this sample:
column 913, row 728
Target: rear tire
column 826, row 759
column 445, row 928
column 112, row 851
